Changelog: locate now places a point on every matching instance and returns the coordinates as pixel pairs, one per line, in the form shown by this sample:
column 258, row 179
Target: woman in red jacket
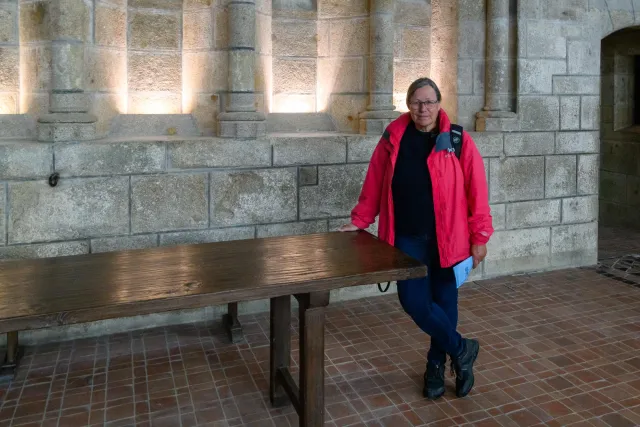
column 435, row 208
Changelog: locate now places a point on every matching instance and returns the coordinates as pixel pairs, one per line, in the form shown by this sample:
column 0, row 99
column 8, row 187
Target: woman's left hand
column 478, row 252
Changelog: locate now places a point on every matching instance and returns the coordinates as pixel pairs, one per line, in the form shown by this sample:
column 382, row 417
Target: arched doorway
column 619, row 195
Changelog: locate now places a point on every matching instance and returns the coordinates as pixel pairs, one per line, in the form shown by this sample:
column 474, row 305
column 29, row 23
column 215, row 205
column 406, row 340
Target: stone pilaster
column 497, row 113
column 380, row 110
column 68, row 103
column 240, row 118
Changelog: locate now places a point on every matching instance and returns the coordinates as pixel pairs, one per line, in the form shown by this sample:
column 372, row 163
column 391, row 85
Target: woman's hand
column 478, row 252
column 348, row 227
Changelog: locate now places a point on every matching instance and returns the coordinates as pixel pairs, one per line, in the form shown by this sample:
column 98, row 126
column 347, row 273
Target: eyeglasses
column 416, row 105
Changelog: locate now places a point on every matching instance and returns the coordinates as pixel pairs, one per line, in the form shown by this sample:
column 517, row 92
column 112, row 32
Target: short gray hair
column 422, row 82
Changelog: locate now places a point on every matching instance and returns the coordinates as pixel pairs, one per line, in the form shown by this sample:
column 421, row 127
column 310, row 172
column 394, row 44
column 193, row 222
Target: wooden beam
column 289, row 385
column 280, row 333
column 10, row 365
column 231, row 323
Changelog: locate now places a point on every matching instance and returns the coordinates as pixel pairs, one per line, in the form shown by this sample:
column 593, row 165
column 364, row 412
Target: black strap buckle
column 385, row 289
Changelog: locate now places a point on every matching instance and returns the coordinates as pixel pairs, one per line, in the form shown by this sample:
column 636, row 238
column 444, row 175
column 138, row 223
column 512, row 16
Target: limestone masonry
column 188, row 121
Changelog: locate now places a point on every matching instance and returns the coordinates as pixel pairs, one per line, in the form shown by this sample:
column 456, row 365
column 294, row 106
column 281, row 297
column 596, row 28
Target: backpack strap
column 456, row 139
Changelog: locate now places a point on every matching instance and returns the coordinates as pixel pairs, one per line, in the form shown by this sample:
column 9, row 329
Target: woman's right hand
column 348, row 227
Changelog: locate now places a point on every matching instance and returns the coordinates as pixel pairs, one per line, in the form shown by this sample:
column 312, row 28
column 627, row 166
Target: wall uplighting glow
column 290, row 103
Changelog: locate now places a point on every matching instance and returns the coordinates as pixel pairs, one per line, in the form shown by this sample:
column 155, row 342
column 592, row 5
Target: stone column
column 380, row 110
column 240, row 118
column 68, row 103
column 497, row 113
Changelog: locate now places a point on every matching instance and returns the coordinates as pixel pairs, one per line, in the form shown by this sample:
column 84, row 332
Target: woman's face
column 424, row 107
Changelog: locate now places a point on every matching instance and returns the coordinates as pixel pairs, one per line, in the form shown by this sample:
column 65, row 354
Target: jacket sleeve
column 475, row 182
column 368, row 206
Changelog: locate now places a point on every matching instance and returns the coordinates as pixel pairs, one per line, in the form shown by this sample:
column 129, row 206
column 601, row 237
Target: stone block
column 574, row 245
column 621, row 156
column 25, row 160
column 580, row 209
column 243, row 129
column 309, row 151
column 205, row 71
column 264, row 34
column 34, row 22
column 499, row 216
column 3, row 201
column 148, row 30
column 560, row 176
column 545, row 40
column 535, row 76
column 539, row 113
column 308, row 175
column 168, row 202
column 568, row 10
column 68, row 74
column 583, row 57
column 576, row 85
column 241, row 70
column 360, row 148
column 130, row 126
column 207, row 236
column 478, row 76
column 59, row 132
column 416, row 42
column 294, row 38
column 110, row 158
column 36, row 68
column 292, row 228
column 537, row 213
column 220, row 32
column 569, row 113
column 46, row 250
column 294, row 75
column 590, row 113
column 336, row 193
column 253, row 196
column 9, row 69
column 8, row 24
column 468, row 107
column 205, row 108
column 154, row 72
column 123, row 243
column 405, row 72
column 106, row 70
column 472, row 41
column 70, row 20
column 588, row 173
column 340, row 8
column 577, row 142
column 197, row 30
column 110, row 26
column 465, row 76
column 341, row 75
column 515, row 251
column 156, row 4
column 345, row 110
column 613, row 187
column 529, row 143
column 9, row 104
column 490, row 144
column 516, row 178
column 409, row 12
column 349, row 37
column 218, row 153
column 242, row 17
column 75, row 208
column 324, row 36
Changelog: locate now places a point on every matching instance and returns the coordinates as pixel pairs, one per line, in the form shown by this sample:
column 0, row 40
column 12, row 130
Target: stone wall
column 620, row 144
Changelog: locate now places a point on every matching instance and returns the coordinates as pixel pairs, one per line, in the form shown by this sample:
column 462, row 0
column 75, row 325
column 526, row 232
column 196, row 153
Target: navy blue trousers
column 432, row 301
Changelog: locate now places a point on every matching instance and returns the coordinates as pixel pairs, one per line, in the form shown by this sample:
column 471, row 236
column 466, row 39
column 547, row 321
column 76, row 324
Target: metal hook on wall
column 53, row 179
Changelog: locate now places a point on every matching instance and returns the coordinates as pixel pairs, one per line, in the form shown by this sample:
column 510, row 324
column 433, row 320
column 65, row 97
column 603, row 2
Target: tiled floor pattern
column 557, row 349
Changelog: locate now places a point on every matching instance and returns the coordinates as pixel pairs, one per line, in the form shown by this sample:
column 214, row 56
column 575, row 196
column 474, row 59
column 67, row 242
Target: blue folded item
column 462, row 270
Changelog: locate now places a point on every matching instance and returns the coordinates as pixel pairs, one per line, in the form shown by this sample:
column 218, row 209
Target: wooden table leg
column 280, row 348
column 231, row 323
column 312, row 320
column 10, row 364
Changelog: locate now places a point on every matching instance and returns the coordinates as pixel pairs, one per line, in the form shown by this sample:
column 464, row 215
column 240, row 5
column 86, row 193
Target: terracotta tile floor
column 557, row 349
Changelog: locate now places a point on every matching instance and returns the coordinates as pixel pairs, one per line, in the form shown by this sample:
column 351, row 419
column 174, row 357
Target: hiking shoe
column 434, row 381
column 463, row 366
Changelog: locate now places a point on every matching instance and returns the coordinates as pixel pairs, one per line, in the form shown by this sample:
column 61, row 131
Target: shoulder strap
column 456, row 139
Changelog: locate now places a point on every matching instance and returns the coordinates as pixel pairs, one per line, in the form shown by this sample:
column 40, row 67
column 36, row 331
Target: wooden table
column 42, row 293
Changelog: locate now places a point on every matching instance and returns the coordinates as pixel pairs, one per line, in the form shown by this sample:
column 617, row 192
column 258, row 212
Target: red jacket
column 460, row 193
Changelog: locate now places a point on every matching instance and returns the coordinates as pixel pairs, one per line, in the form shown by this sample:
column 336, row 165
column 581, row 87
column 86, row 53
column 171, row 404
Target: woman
column 435, row 208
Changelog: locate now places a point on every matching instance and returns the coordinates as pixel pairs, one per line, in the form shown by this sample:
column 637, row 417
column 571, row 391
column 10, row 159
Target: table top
column 40, row 293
